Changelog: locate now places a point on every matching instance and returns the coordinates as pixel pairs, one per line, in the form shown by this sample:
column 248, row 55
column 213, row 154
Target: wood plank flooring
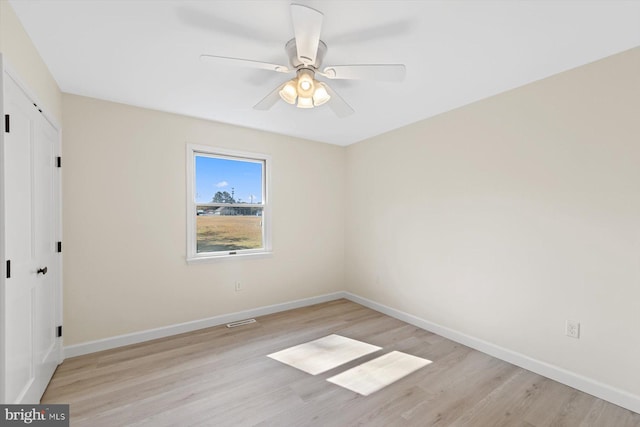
column 223, row 377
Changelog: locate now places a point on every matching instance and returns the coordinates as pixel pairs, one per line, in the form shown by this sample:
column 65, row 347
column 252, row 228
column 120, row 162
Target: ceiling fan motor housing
column 292, row 53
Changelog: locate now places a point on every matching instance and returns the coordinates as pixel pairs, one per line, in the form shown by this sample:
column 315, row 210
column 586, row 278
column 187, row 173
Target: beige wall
column 125, row 212
column 21, row 55
column 505, row 218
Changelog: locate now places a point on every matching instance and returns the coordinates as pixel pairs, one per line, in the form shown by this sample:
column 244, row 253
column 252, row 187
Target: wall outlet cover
column 572, row 329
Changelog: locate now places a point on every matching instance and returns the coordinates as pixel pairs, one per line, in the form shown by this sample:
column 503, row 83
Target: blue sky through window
column 215, row 174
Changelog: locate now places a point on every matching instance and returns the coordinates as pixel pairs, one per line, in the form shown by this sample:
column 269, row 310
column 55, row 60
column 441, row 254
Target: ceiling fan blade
column 307, row 24
column 223, row 60
column 337, row 104
column 380, row 72
column 269, row 100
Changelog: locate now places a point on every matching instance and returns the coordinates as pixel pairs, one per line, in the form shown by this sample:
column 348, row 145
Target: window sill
column 218, row 258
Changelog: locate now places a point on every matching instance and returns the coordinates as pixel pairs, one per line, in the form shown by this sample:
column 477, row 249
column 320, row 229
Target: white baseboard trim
column 579, row 382
column 180, row 328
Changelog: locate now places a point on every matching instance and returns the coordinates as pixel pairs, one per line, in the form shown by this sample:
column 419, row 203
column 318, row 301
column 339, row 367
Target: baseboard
column 180, row 328
column 579, row 382
column 572, row 379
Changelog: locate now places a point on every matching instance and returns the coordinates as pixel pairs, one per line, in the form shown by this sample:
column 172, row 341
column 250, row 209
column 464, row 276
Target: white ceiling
column 146, row 53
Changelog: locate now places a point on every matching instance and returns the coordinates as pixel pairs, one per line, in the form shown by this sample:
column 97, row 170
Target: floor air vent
column 240, row 323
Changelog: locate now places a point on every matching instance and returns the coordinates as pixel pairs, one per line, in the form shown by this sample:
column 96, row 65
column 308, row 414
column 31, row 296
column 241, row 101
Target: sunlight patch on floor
column 379, row 373
column 323, row 354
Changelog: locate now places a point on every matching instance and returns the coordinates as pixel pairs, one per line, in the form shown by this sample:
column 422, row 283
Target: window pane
column 223, row 180
column 228, row 228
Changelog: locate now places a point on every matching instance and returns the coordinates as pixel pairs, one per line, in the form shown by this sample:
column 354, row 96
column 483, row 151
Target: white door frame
column 7, row 72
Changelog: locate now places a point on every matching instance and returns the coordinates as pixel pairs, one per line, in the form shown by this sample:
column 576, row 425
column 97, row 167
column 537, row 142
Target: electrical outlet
column 573, row 329
column 238, row 287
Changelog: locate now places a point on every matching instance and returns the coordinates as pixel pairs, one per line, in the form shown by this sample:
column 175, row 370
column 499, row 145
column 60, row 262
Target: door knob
column 42, row 270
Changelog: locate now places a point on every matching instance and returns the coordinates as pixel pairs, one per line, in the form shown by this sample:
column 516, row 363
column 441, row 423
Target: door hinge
column 59, row 331
column 59, row 247
column 7, row 123
column 59, row 161
column 8, row 269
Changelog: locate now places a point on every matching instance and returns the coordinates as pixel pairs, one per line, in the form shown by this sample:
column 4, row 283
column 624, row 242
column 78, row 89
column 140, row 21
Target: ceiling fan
column 306, row 52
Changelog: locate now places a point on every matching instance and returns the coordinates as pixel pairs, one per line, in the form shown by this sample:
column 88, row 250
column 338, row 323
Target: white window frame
column 192, row 255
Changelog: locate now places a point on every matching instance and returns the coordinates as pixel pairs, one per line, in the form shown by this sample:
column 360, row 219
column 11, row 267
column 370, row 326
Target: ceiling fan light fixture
column 288, row 93
column 320, row 96
column 305, row 102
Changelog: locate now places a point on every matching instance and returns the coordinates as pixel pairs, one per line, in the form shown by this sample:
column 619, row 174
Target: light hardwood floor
column 223, row 377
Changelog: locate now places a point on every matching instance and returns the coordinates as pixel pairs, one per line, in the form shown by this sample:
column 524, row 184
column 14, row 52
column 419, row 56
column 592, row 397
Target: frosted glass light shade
column 304, row 102
column 305, row 83
column 320, row 96
column 288, row 93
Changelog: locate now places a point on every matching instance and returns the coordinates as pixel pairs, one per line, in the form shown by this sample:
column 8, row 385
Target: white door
column 31, row 230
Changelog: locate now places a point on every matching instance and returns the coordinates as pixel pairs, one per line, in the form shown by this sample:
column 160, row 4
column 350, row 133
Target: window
column 227, row 208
